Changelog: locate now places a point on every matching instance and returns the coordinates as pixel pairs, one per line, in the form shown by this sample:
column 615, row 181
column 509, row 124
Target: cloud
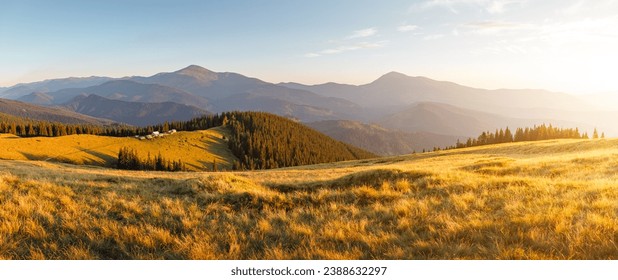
column 363, row 33
column 495, row 27
column 490, row 6
column 348, row 48
column 407, row 28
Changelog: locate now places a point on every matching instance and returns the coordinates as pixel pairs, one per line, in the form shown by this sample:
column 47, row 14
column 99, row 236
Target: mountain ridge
column 133, row 113
column 41, row 113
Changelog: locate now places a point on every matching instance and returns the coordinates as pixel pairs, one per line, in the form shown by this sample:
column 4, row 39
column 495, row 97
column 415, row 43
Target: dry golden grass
column 196, row 149
column 543, row 200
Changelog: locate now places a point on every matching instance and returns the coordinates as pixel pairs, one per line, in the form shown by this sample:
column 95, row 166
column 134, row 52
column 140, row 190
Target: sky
column 559, row 45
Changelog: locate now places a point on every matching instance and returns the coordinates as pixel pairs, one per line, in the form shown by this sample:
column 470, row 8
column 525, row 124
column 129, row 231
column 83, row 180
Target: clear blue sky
column 565, row 45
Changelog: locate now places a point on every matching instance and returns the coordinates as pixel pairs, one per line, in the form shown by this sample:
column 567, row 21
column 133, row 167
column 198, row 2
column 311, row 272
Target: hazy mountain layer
column 380, row 140
column 450, row 120
column 22, row 89
column 134, row 113
column 131, row 91
column 34, row 112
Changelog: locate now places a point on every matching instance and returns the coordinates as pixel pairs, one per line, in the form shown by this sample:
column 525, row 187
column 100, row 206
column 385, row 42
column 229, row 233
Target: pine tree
column 595, row 134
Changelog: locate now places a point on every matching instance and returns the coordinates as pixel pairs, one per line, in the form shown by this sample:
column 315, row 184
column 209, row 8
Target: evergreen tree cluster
column 129, row 160
column 536, row 133
column 27, row 128
column 264, row 140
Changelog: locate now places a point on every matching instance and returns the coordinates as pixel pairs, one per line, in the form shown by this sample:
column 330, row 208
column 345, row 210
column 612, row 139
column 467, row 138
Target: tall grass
column 546, row 200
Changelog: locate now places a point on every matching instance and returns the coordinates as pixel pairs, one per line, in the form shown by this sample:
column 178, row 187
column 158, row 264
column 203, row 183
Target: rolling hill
column 38, row 98
column 196, row 149
column 133, row 113
column 531, row 200
column 382, row 141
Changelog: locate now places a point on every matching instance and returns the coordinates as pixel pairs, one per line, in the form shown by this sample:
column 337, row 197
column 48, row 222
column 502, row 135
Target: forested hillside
column 258, row 140
column 263, row 140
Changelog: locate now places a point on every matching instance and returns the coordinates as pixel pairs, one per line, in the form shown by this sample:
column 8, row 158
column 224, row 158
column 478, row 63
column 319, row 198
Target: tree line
column 129, row 159
column 536, row 133
column 28, row 128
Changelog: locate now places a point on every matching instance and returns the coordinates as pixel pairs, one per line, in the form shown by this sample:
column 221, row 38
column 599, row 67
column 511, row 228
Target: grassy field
column 196, row 149
column 532, row 200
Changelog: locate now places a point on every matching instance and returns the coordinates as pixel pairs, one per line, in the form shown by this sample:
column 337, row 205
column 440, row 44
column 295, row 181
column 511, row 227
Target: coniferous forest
column 536, row 133
column 128, row 159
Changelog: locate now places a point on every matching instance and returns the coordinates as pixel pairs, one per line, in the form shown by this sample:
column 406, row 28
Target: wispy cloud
column 490, row 6
column 363, row 33
column 348, row 48
column 346, row 45
column 407, row 28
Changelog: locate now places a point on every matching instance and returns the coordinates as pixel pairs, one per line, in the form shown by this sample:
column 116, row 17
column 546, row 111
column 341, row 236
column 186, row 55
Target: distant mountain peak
column 197, row 72
column 392, row 76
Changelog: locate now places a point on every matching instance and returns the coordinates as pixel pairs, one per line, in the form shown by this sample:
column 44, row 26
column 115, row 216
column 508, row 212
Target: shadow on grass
column 373, row 178
column 110, row 161
column 34, row 157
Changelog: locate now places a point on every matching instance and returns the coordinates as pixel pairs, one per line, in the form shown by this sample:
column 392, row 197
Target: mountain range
column 395, row 104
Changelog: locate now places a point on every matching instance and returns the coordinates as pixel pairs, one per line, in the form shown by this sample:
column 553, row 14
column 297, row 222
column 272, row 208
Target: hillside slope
column 533, row 200
column 196, row 149
column 264, row 141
